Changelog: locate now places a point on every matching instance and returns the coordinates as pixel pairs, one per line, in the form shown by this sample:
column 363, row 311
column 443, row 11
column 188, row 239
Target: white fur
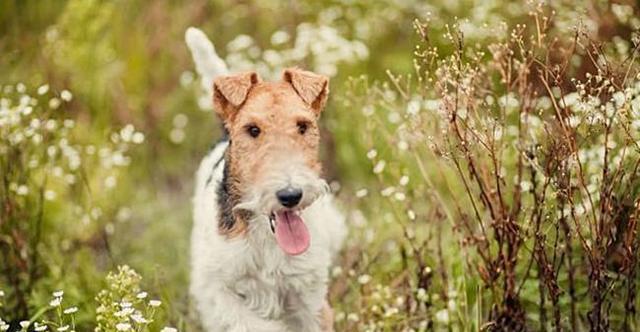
column 248, row 283
column 208, row 64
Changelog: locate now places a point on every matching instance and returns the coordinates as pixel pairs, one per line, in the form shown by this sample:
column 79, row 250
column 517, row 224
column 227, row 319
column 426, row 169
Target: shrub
column 52, row 190
column 528, row 150
column 122, row 306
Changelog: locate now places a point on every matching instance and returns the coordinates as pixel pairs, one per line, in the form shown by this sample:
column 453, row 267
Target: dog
column 265, row 224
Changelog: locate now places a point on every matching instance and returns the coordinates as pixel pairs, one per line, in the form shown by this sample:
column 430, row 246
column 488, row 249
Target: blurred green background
column 125, row 62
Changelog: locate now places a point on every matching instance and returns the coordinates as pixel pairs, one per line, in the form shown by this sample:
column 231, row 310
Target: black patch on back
column 226, row 201
column 227, row 198
column 224, row 139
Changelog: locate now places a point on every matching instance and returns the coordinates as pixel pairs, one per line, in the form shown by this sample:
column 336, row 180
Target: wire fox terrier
column 265, row 226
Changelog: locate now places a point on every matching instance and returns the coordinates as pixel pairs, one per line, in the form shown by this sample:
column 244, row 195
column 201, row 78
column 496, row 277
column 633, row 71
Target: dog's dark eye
column 302, row 127
column 253, row 130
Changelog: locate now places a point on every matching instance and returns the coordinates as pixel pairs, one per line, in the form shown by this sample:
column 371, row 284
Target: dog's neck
column 231, row 223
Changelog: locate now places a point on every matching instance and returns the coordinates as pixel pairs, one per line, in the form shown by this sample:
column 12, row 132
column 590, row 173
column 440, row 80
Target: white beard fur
column 248, row 284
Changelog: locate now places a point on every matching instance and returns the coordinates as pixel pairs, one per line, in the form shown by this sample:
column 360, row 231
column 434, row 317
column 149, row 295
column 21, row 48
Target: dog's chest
column 271, row 289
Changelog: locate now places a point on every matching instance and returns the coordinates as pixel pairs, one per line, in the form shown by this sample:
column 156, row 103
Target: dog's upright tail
column 208, row 64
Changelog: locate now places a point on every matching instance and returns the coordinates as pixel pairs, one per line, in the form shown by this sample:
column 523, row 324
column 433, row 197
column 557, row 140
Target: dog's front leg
column 309, row 321
column 326, row 318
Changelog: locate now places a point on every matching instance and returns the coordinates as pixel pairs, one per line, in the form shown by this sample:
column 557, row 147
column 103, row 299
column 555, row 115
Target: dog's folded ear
column 311, row 87
column 230, row 92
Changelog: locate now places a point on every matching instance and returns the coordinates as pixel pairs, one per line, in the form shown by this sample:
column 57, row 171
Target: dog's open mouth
column 291, row 233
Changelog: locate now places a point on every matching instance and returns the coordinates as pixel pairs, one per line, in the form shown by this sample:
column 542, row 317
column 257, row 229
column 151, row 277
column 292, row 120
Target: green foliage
column 123, row 306
column 105, row 199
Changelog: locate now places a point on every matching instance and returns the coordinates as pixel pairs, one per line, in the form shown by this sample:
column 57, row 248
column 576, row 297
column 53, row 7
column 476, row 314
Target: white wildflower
column 137, row 138
column 400, row 196
column 70, row 310
column 40, row 327
column 22, row 190
column 186, row 78
column 180, row 120
column 353, row 317
column 362, row 193
column 451, row 305
column 66, row 95
column 391, row 311
column 49, row 195
column 127, row 132
column 123, row 327
column 509, row 101
column 169, row 329
column 240, row 43
column 155, row 303
column 35, row 123
column 55, row 302
column 126, row 312
column 54, row 103
column 110, row 181
column 526, row 186
column 279, row 37
column 413, row 107
column 43, row 89
column 368, row 110
column 177, row 135
column 379, row 167
column 403, row 145
column 394, row 117
column 442, row 316
column 364, row 279
column 388, row 191
column 51, row 125
column 422, row 294
column 336, row 271
column 138, row 318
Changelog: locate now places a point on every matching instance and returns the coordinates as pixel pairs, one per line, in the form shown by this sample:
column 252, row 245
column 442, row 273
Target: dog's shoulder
column 212, row 164
column 329, row 223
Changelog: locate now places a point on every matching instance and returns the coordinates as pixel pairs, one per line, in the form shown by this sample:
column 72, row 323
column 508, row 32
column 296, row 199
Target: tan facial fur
column 271, row 125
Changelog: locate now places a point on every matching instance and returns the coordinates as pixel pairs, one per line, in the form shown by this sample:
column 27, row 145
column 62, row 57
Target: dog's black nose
column 289, row 196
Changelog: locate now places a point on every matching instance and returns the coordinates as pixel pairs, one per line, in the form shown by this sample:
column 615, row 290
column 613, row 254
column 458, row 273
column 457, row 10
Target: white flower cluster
column 4, row 326
column 65, row 318
column 132, row 318
column 27, row 127
column 42, row 145
column 320, row 46
column 123, row 306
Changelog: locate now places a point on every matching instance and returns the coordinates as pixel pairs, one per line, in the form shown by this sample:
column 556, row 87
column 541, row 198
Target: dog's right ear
column 230, row 92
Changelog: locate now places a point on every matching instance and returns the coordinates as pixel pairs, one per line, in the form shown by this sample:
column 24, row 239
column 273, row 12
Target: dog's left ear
column 311, row 87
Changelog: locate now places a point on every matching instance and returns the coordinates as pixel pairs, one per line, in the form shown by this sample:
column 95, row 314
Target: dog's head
column 272, row 159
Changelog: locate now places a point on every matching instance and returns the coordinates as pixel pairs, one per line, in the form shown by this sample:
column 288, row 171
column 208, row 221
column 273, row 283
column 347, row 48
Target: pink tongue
column 292, row 234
